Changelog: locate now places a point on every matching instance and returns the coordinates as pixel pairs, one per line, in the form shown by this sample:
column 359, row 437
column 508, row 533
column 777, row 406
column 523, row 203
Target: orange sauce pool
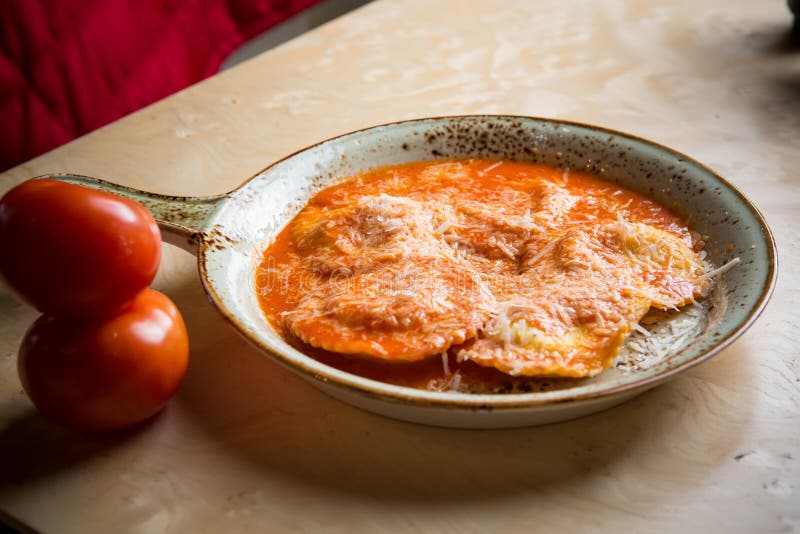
column 284, row 275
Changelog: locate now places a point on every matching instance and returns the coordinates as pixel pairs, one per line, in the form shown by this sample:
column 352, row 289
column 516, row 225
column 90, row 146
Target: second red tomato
column 110, row 373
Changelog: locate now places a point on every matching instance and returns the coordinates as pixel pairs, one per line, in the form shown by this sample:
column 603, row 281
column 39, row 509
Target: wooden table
column 245, row 445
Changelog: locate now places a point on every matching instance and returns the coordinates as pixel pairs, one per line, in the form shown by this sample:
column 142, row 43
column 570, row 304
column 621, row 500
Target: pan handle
column 182, row 220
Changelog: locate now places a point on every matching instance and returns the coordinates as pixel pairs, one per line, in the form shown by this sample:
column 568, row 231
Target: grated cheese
column 722, row 270
column 415, row 263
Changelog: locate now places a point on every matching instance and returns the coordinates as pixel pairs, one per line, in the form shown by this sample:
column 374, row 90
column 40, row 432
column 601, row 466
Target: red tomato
column 74, row 251
column 110, row 373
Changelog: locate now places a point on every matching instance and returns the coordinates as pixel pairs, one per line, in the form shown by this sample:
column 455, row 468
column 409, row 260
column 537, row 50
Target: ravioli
column 491, row 231
column 574, row 305
column 402, row 314
column 564, row 335
column 370, row 231
column 521, row 268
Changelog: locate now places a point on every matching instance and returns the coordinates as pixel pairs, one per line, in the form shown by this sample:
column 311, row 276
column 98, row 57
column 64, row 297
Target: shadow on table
column 781, row 79
column 774, row 40
column 33, row 447
column 283, row 427
column 756, row 75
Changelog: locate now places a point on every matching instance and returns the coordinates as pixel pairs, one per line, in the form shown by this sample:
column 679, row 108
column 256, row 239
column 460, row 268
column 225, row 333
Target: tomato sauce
column 288, row 272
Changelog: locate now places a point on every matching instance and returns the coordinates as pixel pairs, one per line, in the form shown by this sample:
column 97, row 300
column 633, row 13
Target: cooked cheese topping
column 370, row 231
column 419, row 310
column 518, row 267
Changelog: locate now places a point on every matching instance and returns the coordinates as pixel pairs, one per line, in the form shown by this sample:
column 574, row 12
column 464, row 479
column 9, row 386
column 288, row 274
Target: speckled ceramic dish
column 229, row 232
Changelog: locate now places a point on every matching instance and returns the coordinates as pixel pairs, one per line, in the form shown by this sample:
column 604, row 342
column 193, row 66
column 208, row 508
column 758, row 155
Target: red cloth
column 70, row 66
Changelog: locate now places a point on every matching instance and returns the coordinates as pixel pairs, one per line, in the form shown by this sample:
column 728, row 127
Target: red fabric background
column 70, row 66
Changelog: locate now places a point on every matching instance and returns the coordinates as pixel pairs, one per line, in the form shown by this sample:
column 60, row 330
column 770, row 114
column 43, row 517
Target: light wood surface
column 247, row 446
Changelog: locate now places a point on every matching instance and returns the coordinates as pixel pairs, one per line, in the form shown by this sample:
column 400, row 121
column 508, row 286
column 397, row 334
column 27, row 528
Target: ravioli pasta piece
column 660, row 264
column 487, row 231
column 671, row 269
column 552, row 202
column 403, row 313
column 496, row 232
column 579, row 300
column 528, row 338
column 370, row 231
